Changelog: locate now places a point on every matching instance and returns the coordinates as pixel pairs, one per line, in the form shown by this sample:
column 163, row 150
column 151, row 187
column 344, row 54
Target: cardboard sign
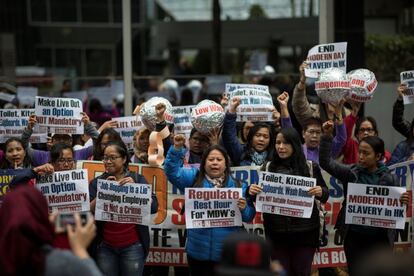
column 325, row 56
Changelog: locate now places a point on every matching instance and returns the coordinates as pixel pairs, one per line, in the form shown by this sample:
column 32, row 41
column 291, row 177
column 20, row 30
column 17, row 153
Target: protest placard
column 324, row 56
column 26, row 95
column 14, row 121
column 80, row 95
column 374, row 205
column 407, row 78
column 126, row 127
column 6, row 177
column 128, row 203
column 212, row 207
column 59, row 115
column 7, row 97
column 182, row 120
column 285, row 195
column 65, row 191
column 256, row 103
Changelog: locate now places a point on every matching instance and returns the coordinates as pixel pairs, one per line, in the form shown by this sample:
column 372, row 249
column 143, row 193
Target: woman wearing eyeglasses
column 122, row 247
column 61, row 157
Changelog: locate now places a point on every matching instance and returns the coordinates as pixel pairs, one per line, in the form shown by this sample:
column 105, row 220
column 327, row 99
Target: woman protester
column 26, row 238
column 204, row 245
column 122, row 247
column 141, row 144
column 260, row 140
column 360, row 240
column 294, row 240
column 15, row 155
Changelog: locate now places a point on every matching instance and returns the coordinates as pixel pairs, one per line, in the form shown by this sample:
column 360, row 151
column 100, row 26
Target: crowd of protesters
column 301, row 141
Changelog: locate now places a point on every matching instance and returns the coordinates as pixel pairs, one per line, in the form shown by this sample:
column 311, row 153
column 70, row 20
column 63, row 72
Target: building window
column 98, row 62
column 95, row 11
column 38, row 10
column 63, row 10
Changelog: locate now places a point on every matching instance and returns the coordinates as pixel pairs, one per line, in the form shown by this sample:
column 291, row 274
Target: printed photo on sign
column 59, row 115
column 14, row 121
column 212, row 207
column 324, row 56
column 376, row 206
column 128, row 203
column 256, row 103
column 65, row 191
column 407, row 78
column 285, row 195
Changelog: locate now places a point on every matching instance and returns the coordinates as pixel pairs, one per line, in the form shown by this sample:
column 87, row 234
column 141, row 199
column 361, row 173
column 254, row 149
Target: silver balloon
column 363, row 84
column 149, row 116
column 207, row 115
column 332, row 85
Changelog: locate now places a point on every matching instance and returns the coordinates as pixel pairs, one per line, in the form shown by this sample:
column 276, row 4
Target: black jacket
column 277, row 226
column 346, row 174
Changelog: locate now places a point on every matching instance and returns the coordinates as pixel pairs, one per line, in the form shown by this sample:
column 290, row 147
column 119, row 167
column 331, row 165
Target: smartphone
column 63, row 220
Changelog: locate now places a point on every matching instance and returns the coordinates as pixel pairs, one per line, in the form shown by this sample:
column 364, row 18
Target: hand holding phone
column 80, row 236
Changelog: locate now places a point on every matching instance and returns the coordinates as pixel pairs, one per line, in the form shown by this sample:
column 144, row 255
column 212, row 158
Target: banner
column 65, row 191
column 168, row 233
column 126, row 127
column 6, row 177
column 285, row 195
column 407, row 78
column 376, row 206
column 256, row 103
column 212, row 207
column 59, row 115
column 128, row 203
column 325, row 56
column 14, row 121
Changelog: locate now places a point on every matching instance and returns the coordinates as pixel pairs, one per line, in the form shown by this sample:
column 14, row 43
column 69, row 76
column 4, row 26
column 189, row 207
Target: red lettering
column 177, row 205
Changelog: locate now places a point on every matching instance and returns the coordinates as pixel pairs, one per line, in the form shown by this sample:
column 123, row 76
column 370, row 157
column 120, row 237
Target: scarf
column 258, row 158
column 217, row 181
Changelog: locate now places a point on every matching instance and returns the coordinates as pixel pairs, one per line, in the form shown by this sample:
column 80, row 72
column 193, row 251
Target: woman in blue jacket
column 204, row 245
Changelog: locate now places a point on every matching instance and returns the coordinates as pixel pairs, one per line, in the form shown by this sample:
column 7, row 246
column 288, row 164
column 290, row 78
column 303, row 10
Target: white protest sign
column 256, row 103
column 26, row 95
column 182, row 119
column 59, row 115
column 376, row 206
column 126, row 127
column 128, row 203
column 7, row 97
column 104, row 94
column 285, row 195
column 65, row 191
column 407, row 78
column 14, row 121
column 216, row 84
column 212, row 207
column 325, row 56
column 80, row 95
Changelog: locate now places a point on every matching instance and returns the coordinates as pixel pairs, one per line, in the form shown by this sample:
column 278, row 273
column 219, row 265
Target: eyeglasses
column 363, row 130
column 314, row 132
column 110, row 158
column 63, row 161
